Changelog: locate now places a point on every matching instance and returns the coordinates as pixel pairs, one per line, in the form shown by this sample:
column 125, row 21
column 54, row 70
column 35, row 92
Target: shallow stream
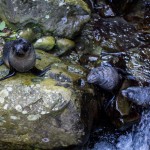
column 136, row 139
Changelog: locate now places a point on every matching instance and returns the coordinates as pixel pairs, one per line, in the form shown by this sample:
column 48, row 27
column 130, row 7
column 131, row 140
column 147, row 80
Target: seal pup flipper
column 11, row 73
column 39, row 72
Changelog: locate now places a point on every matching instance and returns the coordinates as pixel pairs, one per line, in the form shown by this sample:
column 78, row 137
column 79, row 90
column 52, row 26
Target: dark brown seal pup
column 19, row 55
column 105, row 76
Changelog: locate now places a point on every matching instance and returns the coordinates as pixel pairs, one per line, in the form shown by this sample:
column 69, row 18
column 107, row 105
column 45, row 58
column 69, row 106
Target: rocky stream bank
column 61, row 110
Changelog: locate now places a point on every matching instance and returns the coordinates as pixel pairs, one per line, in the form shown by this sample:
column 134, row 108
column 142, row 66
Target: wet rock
column 62, row 18
column 104, row 9
column 127, row 122
column 86, row 42
column 122, row 106
column 138, row 95
column 90, row 106
column 110, row 35
column 89, row 61
column 101, row 7
column 138, row 61
column 44, row 112
column 91, row 3
column 123, row 6
column 28, row 34
column 115, row 34
column 45, row 43
column 121, row 112
column 140, row 15
column 105, row 76
column 64, row 45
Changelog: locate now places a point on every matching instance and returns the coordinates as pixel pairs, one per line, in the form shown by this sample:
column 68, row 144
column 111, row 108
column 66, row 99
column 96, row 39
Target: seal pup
column 19, row 56
column 105, row 76
column 138, row 95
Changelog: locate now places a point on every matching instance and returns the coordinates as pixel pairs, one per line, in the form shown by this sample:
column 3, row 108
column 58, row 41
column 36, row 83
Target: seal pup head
column 21, row 48
column 93, row 76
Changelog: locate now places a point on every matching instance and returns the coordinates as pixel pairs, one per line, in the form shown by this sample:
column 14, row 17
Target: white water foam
column 137, row 139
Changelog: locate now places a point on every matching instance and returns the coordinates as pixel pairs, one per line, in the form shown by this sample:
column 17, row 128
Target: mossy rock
column 45, row 43
column 64, row 45
column 28, row 34
column 46, row 108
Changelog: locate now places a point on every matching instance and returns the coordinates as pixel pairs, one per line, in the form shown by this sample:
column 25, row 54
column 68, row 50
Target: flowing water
column 137, row 139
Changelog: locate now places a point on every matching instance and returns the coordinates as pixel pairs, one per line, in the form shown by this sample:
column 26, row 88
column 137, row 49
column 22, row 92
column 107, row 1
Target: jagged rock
column 45, row 112
column 62, row 18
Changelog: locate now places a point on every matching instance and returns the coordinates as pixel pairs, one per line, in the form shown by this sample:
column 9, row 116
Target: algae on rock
column 47, row 108
column 45, row 43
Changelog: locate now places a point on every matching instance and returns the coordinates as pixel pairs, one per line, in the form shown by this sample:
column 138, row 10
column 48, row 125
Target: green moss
column 46, row 43
column 79, row 2
column 28, row 34
column 65, row 44
column 46, row 59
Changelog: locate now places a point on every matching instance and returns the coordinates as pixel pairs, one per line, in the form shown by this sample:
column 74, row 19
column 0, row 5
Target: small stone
column 64, row 45
column 18, row 108
column 6, row 106
column 14, row 117
column 45, row 43
column 47, row 16
column 24, row 112
column 4, row 93
column 28, row 34
column 33, row 117
column 43, row 112
column 2, row 100
column 9, row 89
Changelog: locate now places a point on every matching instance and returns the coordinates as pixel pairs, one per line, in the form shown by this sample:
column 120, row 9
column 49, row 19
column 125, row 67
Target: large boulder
column 110, row 35
column 45, row 112
column 60, row 17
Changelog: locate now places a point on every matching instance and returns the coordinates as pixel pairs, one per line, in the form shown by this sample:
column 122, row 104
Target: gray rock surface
column 61, row 17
